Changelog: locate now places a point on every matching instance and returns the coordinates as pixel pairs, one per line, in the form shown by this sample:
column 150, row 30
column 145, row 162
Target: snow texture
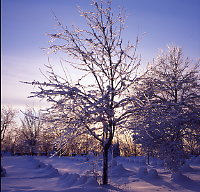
column 66, row 174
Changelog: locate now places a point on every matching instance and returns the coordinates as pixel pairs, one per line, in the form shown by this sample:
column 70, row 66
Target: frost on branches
column 100, row 106
column 170, row 115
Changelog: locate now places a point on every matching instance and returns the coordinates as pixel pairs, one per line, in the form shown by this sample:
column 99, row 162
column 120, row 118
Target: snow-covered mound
column 142, row 172
column 69, row 180
column 39, row 164
column 35, row 162
column 91, row 181
column 50, row 171
column 82, row 180
column 120, row 171
column 47, row 171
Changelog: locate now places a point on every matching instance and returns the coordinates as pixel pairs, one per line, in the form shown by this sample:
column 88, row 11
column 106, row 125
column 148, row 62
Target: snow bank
column 51, row 172
column 69, row 180
column 35, row 162
column 47, row 171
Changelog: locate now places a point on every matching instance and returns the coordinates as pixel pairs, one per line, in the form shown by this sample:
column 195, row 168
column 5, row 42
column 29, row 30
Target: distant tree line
column 33, row 136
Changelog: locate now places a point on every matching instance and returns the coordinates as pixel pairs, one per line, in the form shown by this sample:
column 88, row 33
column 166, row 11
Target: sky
column 24, row 24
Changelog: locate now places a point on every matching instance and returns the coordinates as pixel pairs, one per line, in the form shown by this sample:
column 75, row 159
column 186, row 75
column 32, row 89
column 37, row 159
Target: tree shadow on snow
column 189, row 184
column 159, row 182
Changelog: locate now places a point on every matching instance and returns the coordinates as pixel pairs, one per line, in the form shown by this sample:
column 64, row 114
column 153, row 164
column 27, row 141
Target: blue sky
column 25, row 22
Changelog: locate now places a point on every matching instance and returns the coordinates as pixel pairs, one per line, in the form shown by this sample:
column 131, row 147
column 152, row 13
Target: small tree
column 100, row 106
column 31, row 128
column 8, row 125
column 171, row 106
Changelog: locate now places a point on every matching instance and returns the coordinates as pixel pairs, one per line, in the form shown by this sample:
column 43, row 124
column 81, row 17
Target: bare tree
column 98, row 103
column 7, row 120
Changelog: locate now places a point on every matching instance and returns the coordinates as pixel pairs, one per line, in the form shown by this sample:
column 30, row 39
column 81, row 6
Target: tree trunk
column 105, row 166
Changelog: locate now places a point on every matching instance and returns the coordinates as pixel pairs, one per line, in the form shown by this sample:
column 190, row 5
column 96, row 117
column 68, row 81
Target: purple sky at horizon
column 25, row 22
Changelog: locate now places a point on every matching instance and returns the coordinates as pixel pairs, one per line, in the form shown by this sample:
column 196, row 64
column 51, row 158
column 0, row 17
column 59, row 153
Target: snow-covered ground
column 76, row 174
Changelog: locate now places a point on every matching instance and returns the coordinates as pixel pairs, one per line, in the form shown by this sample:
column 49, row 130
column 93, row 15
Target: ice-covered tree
column 170, row 91
column 97, row 103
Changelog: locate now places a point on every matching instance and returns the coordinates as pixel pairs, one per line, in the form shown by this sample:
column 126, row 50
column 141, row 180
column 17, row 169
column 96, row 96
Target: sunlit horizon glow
column 24, row 24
